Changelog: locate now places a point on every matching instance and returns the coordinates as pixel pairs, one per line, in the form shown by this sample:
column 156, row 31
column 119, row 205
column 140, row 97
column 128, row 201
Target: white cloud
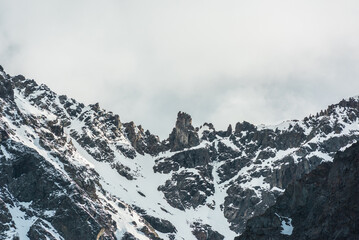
column 225, row 61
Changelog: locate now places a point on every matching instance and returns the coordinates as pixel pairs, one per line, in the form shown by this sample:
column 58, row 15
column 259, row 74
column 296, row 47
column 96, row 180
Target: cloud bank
column 221, row 61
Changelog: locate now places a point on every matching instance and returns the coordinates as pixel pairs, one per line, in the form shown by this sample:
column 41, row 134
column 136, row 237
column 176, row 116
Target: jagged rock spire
column 184, row 134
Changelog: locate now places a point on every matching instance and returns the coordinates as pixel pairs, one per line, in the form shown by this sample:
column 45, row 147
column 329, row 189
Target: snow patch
column 21, row 220
column 287, row 227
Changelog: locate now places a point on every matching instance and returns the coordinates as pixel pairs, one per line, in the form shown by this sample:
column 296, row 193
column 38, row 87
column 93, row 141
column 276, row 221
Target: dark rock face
column 225, row 133
column 153, row 144
column 5, row 217
column 242, row 204
column 184, row 134
column 209, row 134
column 187, row 159
column 135, row 135
column 57, row 129
column 322, row 205
column 143, row 141
column 243, row 127
column 230, row 168
column 225, row 152
column 3, row 135
column 97, row 148
column 39, row 230
column 6, row 89
column 123, row 170
column 186, row 190
column 30, row 178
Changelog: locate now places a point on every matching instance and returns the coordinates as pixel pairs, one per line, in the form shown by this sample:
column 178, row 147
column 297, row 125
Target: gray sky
column 220, row 61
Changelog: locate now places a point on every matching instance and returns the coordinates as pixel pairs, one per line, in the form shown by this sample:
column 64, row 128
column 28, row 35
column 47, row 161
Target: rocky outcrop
column 3, row 135
column 190, row 188
column 187, row 190
column 160, row 225
column 6, row 88
column 186, row 159
column 208, row 132
column 244, row 127
column 135, row 135
column 205, row 232
column 225, row 133
column 143, row 141
column 322, row 205
column 183, row 135
column 56, row 128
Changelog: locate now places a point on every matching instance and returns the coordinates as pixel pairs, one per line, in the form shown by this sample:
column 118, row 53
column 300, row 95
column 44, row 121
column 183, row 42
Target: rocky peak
column 143, row 141
column 244, row 126
column 117, row 121
column 184, row 134
column 95, row 107
column 226, row 133
column 209, row 125
column 208, row 132
column 184, row 120
column 351, row 104
column 26, row 85
column 135, row 135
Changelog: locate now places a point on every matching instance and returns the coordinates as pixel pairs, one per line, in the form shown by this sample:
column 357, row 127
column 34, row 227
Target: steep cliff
column 324, row 204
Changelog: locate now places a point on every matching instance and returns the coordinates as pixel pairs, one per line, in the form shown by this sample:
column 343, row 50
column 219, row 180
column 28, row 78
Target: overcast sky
column 220, row 61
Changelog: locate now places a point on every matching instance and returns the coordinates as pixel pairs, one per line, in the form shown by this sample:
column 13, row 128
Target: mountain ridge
column 198, row 183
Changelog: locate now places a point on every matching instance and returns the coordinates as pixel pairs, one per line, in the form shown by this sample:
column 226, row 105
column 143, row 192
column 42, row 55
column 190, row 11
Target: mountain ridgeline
column 71, row 171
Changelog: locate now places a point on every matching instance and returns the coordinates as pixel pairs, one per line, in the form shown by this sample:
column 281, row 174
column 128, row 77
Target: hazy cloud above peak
column 221, row 61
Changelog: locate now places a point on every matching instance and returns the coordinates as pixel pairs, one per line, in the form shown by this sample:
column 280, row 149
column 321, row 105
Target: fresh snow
column 28, row 108
column 230, row 144
column 21, row 220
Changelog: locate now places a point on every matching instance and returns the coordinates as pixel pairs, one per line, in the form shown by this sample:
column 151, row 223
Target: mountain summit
column 71, row 171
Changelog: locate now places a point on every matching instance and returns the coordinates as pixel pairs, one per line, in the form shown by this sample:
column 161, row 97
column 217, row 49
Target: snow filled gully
column 143, row 192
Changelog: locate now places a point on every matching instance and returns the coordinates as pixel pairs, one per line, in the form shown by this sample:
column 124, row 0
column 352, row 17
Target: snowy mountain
column 324, row 204
column 70, row 171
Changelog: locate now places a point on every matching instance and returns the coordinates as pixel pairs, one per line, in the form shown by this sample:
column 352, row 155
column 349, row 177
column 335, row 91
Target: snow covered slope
column 69, row 170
